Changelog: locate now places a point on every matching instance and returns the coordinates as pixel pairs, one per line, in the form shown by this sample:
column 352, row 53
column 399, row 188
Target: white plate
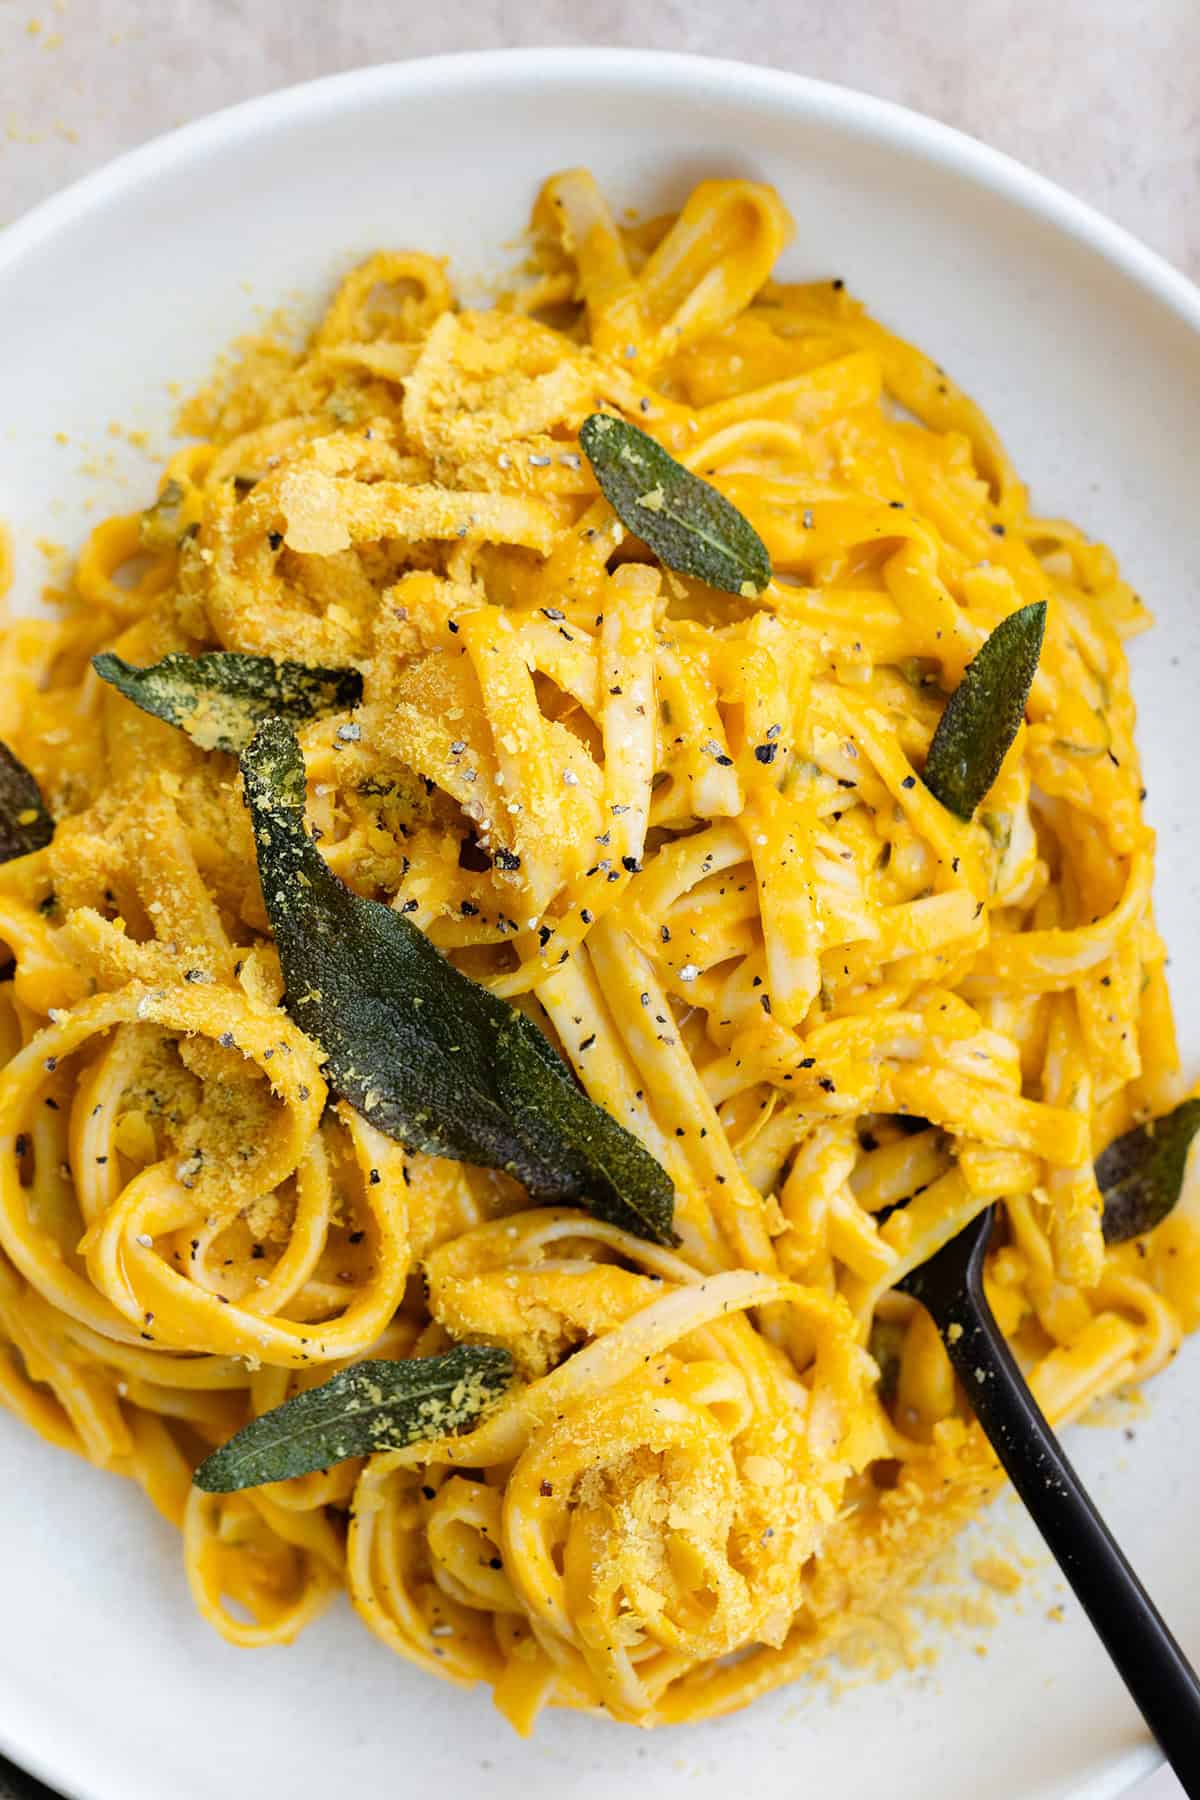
column 1086, row 350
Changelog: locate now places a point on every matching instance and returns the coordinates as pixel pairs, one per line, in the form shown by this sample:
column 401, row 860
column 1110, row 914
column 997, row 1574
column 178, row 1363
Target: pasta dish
column 571, row 847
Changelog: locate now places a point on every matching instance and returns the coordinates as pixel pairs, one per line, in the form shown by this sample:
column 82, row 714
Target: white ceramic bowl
column 1086, row 350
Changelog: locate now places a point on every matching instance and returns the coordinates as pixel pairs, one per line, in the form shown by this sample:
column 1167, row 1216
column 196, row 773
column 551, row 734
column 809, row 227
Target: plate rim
column 865, row 116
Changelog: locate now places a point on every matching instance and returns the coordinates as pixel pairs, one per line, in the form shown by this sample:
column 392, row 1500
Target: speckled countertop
column 1101, row 95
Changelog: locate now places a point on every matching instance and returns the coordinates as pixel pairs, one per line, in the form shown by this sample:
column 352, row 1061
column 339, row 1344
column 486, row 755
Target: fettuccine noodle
column 683, row 830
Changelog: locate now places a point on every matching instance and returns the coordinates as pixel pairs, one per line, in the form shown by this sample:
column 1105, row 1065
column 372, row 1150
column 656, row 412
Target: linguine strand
column 686, row 833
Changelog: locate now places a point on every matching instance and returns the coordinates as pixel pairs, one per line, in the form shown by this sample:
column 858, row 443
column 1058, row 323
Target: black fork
column 1150, row 1662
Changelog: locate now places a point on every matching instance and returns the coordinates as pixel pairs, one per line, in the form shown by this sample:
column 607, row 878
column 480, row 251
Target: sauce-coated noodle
column 686, row 832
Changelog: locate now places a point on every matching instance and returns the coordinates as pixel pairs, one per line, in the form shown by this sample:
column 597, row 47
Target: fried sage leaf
column 886, row 1345
column 428, row 1056
column 25, row 824
column 161, row 525
column 689, row 526
column 1140, row 1174
column 371, row 1407
column 221, row 697
column 984, row 713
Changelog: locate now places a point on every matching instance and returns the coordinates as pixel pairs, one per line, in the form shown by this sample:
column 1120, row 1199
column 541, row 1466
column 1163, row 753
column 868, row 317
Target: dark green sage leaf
column 426, row 1055
column 984, row 713
column 220, row 697
column 886, row 1345
column 160, row 526
column 25, row 824
column 360, row 1411
column 1141, row 1173
column 689, row 526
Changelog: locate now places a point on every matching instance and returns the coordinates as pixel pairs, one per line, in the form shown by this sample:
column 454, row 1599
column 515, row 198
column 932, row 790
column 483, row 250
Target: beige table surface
column 1101, row 95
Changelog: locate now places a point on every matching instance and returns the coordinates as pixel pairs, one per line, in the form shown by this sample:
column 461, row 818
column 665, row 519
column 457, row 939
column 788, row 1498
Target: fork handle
column 1151, row 1663
column 15, row 1784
